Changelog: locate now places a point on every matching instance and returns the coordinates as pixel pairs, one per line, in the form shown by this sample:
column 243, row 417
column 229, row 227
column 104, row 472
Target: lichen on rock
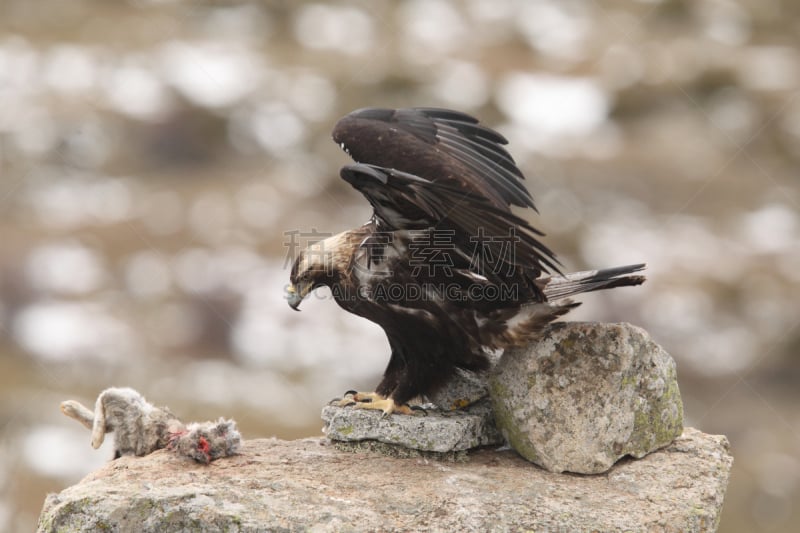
column 586, row 395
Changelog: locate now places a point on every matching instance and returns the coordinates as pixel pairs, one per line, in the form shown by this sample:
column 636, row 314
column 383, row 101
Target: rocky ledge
column 276, row 485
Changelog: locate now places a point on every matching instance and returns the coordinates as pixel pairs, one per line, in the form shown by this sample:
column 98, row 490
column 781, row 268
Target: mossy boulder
column 586, row 395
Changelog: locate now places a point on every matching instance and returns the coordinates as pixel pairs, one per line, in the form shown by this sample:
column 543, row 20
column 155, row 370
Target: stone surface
column 586, row 395
column 463, row 389
column 309, row 485
column 437, row 431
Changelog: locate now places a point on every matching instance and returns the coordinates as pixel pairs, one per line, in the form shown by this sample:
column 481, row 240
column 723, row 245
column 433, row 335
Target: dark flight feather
column 469, row 155
column 404, row 201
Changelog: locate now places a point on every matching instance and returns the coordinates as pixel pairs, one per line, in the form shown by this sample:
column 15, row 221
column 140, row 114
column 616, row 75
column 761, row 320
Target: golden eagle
column 443, row 265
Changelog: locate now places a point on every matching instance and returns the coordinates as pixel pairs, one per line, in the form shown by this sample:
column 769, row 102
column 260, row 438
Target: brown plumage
column 443, row 266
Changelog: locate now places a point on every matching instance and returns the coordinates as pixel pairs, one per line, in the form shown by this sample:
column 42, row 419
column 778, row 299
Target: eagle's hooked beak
column 296, row 293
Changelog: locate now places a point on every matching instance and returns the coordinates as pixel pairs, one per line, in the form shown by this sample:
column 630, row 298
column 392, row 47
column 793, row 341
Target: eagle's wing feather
column 473, row 156
column 403, row 201
column 398, row 198
column 462, row 137
column 439, row 145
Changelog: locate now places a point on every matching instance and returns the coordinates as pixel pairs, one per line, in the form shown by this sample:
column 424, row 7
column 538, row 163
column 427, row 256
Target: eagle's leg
column 386, row 398
column 391, row 378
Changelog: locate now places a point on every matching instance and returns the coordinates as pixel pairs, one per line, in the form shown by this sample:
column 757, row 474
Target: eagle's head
column 319, row 264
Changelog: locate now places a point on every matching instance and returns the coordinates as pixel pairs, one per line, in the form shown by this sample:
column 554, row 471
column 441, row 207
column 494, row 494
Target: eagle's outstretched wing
column 439, row 145
column 404, row 201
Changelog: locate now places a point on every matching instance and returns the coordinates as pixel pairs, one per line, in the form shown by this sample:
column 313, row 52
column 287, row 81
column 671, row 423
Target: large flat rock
column 309, row 484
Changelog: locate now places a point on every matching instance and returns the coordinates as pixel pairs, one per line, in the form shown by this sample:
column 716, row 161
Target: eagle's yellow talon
column 387, row 405
column 367, row 397
column 376, row 402
column 352, row 398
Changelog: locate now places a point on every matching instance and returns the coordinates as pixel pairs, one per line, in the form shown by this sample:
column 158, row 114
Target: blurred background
column 156, row 158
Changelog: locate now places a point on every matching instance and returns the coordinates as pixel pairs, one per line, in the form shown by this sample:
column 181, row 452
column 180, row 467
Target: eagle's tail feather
column 558, row 287
column 519, row 326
